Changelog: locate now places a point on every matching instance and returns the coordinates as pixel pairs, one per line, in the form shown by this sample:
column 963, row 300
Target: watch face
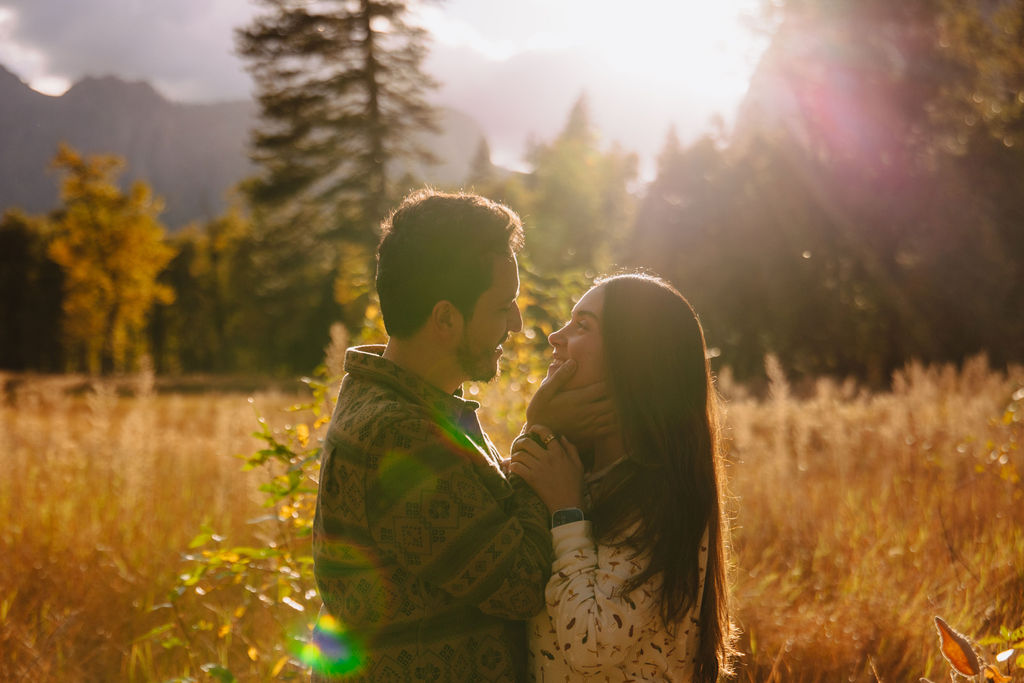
column 566, row 516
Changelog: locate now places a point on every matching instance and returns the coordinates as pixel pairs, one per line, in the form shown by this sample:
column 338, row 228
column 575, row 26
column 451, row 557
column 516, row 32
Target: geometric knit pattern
column 426, row 557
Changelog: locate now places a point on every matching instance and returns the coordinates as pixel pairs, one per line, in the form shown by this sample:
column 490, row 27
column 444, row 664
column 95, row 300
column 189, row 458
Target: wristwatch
column 566, row 516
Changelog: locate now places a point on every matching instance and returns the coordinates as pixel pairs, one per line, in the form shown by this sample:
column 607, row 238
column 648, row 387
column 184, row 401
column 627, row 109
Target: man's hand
column 579, row 414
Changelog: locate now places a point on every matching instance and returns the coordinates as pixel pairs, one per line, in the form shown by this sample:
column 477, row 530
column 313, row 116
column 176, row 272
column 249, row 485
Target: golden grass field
column 857, row 518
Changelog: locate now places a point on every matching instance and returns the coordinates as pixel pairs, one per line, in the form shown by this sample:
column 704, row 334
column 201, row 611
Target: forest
column 863, row 211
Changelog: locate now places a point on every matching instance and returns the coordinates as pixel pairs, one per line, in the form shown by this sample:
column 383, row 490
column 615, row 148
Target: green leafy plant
column 246, row 612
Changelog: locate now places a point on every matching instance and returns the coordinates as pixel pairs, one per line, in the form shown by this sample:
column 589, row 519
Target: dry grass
column 857, row 518
column 99, row 494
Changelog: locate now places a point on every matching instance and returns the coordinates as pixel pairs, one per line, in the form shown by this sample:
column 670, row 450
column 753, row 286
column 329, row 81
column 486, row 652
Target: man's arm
column 430, row 504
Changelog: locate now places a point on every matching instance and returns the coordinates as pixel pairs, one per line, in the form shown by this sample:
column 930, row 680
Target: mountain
column 191, row 154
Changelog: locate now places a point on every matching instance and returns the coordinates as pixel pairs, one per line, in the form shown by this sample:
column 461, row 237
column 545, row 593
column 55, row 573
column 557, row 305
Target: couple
column 438, row 560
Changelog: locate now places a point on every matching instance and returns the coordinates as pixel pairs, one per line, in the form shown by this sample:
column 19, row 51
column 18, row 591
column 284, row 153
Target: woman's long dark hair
column 672, row 481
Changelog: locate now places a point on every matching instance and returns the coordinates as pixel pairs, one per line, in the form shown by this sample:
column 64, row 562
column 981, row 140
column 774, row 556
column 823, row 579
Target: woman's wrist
column 566, row 515
column 566, row 503
column 571, row 538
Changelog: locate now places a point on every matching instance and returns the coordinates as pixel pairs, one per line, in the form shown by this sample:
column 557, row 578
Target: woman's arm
column 597, row 626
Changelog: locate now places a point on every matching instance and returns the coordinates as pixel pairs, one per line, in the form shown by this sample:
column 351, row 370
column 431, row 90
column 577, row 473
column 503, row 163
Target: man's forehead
column 505, row 281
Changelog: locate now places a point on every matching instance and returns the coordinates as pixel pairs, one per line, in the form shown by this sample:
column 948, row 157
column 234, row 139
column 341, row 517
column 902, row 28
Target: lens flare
column 332, row 651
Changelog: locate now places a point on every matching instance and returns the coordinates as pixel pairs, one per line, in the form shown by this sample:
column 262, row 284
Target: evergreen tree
column 841, row 229
column 342, row 97
column 481, row 169
column 30, row 295
column 581, row 204
column 204, row 328
column 984, row 44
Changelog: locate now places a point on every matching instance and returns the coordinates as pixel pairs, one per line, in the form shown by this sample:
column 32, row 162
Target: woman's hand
column 581, row 414
column 551, row 466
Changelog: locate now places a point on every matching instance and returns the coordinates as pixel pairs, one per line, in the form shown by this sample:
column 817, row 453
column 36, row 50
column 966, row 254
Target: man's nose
column 515, row 319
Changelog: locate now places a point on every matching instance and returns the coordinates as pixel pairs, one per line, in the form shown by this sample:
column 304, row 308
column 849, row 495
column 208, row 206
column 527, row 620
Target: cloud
column 184, row 48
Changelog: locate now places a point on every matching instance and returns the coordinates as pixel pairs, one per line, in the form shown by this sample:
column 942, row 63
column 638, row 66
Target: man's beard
column 478, row 364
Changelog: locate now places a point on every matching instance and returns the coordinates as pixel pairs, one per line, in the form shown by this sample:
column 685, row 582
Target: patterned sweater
column 426, row 557
column 592, row 632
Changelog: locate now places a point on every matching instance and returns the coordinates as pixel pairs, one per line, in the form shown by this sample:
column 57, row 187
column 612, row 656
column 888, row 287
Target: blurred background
column 836, row 183
column 190, row 193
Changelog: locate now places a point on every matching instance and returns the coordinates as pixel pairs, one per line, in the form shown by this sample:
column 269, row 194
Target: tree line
column 864, row 210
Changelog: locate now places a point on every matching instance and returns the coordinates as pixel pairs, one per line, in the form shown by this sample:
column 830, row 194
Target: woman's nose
column 555, row 338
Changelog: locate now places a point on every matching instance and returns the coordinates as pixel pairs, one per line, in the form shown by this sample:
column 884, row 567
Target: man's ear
column 447, row 320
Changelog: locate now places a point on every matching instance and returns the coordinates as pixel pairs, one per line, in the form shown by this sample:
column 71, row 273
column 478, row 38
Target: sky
column 514, row 66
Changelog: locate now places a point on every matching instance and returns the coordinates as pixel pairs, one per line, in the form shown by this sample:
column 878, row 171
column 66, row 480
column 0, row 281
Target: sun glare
column 646, row 65
column 690, row 46
column 693, row 48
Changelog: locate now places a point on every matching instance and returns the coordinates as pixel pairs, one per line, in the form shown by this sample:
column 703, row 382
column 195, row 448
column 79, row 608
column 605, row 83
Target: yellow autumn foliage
column 111, row 249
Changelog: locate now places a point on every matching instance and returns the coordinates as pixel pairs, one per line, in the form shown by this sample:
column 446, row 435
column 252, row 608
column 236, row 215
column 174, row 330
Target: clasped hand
column 551, row 466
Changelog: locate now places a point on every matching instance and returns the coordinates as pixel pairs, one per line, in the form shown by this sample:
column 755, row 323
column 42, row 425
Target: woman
column 638, row 588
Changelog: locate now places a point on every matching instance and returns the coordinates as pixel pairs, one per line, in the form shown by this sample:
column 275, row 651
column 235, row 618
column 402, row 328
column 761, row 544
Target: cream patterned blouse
column 592, row 633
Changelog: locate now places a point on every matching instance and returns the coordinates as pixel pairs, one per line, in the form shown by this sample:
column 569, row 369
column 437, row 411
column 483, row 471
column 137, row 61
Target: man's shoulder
column 368, row 409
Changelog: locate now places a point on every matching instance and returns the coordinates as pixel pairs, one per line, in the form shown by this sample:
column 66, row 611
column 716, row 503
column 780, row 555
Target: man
column 426, row 557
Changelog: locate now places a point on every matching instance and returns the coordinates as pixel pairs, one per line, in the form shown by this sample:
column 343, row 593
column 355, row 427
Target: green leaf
column 201, row 539
column 219, row 672
column 154, row 632
column 172, row 642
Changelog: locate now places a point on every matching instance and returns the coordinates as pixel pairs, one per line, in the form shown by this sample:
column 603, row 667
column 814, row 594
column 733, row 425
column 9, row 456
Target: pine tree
column 481, row 169
column 202, row 330
column 582, row 206
column 30, row 295
column 341, row 95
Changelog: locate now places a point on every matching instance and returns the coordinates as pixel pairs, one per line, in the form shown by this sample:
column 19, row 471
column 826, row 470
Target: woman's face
column 580, row 340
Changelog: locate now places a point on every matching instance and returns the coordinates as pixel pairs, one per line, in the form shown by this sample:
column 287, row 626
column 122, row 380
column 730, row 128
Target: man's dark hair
column 438, row 246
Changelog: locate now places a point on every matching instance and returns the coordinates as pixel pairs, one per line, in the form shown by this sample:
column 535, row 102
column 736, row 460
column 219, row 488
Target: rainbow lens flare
column 332, row 651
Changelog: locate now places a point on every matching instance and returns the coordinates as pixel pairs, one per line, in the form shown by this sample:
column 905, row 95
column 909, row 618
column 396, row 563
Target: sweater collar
column 367, row 362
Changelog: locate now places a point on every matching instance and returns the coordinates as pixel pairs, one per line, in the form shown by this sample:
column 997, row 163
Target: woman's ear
column 447, row 321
